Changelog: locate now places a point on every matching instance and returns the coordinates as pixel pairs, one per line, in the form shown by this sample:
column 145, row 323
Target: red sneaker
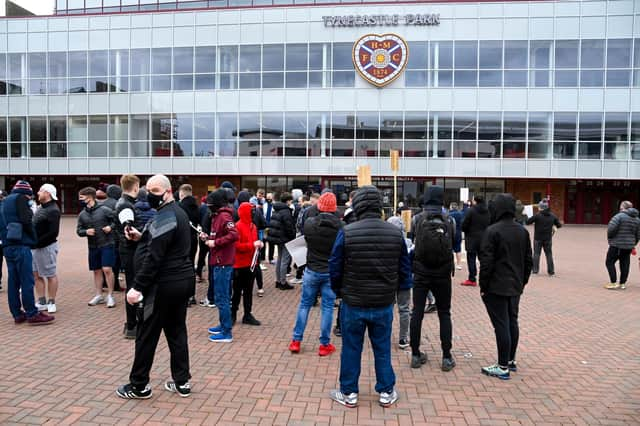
column 326, row 349
column 469, row 283
column 20, row 318
column 41, row 319
column 294, row 346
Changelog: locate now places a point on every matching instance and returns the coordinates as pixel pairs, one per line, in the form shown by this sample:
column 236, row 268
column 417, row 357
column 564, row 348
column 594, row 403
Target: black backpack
column 433, row 246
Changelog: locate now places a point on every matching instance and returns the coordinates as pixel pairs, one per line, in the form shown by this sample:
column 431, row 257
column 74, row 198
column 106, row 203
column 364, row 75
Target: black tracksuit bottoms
column 441, row 289
column 242, row 288
column 615, row 254
column 503, row 312
column 169, row 315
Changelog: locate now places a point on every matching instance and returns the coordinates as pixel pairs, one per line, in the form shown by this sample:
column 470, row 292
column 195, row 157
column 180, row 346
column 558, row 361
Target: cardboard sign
column 406, row 219
column 464, row 194
column 364, row 175
column 395, row 163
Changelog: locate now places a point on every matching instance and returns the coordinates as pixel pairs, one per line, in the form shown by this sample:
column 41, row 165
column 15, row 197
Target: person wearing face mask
column 95, row 223
column 267, row 209
column 164, row 280
column 18, row 238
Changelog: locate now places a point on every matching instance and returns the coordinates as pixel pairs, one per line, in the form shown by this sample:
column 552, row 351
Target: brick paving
column 578, row 359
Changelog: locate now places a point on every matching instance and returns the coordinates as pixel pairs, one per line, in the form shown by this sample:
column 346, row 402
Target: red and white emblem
column 380, row 59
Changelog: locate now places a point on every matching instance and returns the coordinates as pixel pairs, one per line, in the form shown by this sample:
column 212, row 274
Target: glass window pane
column 295, row 125
column 590, row 126
column 367, row 125
column 98, row 60
column 515, row 126
column 490, row 54
column 342, row 56
column 590, row 151
column 540, row 126
column 272, row 80
column 342, row 125
column 616, row 151
column 250, row 58
column 566, row 54
column 618, row 78
column 17, row 66
column 515, row 78
column 77, row 128
column 592, row 54
column 391, row 125
column 37, row 65
column 464, row 149
column 37, row 150
column 419, row 55
column 37, row 129
column 566, row 78
column 636, row 53
column 183, row 82
column 161, row 61
column 250, row 80
column 296, row 57
column 416, row 78
column 592, row 78
column 272, row 125
column 140, row 61
column 205, row 59
column 118, row 128
column 619, row 53
column 205, row 81
column 515, row 54
column 3, row 66
column 57, row 129
column 77, row 64
column 635, row 126
column 249, row 134
column 441, row 54
column 616, row 126
column 440, row 133
column 229, row 58
column 319, row 124
column 489, row 126
column 491, row 78
column 564, row 127
column 464, row 126
column 161, row 127
column 343, row 78
column 540, row 78
column 119, row 62
column 97, row 127
column 203, row 126
column 564, row 150
column 296, row 79
column 466, row 78
column 139, row 127
column 540, row 54
column 226, row 127
column 183, row 60
column 416, row 125
column 318, row 55
column 273, row 57
column 466, row 55
column 161, row 83
column 539, row 149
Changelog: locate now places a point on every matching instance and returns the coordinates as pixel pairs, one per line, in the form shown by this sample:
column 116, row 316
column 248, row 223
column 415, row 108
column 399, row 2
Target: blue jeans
column 312, row 284
column 222, row 278
column 19, row 266
column 378, row 323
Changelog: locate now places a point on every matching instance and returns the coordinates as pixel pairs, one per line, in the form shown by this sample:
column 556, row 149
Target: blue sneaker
column 215, row 330
column 495, row 370
column 222, row 338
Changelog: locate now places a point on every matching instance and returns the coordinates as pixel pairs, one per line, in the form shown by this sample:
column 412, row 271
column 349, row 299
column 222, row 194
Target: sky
column 39, row 7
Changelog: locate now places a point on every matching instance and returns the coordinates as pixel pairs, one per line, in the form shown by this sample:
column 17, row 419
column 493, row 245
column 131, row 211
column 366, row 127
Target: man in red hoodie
column 246, row 246
column 221, row 241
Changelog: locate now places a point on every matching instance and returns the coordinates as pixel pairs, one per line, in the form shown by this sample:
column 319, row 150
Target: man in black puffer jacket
column 505, row 267
column 368, row 265
column 475, row 222
column 282, row 229
column 623, row 234
column 543, row 233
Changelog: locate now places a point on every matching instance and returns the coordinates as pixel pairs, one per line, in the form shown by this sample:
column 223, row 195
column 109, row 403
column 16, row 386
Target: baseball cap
column 47, row 187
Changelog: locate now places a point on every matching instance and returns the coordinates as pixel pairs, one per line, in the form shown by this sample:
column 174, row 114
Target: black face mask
column 155, row 201
column 83, row 204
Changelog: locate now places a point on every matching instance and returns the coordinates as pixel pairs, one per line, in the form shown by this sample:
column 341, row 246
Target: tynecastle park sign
column 381, row 20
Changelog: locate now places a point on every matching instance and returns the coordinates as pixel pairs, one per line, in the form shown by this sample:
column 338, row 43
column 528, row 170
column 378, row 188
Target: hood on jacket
column 244, row 197
column 279, row 205
column 367, row 202
column 503, row 205
column 114, row 191
column 632, row 212
column 217, row 199
column 143, row 205
column 245, row 212
column 434, row 196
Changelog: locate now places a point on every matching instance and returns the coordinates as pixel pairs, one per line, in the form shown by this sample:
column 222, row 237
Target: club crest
column 380, row 59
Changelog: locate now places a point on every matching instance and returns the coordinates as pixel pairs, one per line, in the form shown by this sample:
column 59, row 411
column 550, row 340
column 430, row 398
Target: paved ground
column 578, row 359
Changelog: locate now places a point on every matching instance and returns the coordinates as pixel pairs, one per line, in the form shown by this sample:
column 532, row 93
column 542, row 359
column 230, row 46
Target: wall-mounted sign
column 381, row 20
column 380, row 59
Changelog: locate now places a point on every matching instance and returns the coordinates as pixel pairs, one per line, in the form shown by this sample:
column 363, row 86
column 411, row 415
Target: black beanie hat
column 244, row 197
column 217, row 199
column 434, row 196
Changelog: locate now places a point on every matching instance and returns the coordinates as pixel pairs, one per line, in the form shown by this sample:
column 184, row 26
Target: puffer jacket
column 282, row 228
column 320, row 233
column 623, row 231
column 97, row 217
column 544, row 223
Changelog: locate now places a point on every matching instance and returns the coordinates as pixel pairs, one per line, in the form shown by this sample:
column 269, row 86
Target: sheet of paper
column 298, row 250
column 528, row 210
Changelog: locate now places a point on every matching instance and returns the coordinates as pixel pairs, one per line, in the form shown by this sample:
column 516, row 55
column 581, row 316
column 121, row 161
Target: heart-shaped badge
column 380, row 59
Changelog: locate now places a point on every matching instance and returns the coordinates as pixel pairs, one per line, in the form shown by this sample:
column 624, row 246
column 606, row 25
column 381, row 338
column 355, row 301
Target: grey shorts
column 45, row 260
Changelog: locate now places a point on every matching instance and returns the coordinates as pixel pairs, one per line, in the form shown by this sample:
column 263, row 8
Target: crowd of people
column 356, row 260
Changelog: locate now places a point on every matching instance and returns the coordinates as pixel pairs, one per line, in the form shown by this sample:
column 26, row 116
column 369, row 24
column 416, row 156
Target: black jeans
column 441, row 289
column 503, row 312
column 624, row 256
column 538, row 246
column 169, row 314
column 471, row 263
column 202, row 257
column 258, row 275
column 242, row 287
column 129, row 275
column 272, row 249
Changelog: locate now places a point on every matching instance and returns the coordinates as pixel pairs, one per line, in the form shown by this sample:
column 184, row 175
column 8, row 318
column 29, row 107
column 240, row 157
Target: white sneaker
column 51, row 308
column 260, row 292
column 97, row 300
column 111, row 302
column 262, row 267
column 41, row 307
column 296, row 281
column 459, row 267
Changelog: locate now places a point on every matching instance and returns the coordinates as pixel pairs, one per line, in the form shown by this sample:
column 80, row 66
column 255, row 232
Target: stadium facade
column 538, row 98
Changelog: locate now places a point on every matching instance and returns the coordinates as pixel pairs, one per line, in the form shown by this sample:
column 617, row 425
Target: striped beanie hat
column 22, row 187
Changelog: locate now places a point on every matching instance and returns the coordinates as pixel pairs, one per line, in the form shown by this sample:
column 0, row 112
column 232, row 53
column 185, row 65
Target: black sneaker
column 250, row 320
column 130, row 333
column 337, row 332
column 128, row 391
column 192, row 301
column 512, row 366
column 418, row 360
column 286, row 286
column 431, row 307
column 403, row 344
column 182, row 390
column 448, row 364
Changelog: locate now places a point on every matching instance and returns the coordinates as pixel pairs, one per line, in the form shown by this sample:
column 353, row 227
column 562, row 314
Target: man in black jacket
column 45, row 254
column 505, row 267
column 282, row 230
column 96, row 223
column 127, row 215
column 433, row 274
column 369, row 263
column 190, row 206
column 114, row 192
column 164, row 281
column 320, row 233
column 475, row 222
column 543, row 221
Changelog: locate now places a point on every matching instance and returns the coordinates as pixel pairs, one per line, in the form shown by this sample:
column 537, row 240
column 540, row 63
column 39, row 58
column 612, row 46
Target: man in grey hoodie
column 623, row 233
